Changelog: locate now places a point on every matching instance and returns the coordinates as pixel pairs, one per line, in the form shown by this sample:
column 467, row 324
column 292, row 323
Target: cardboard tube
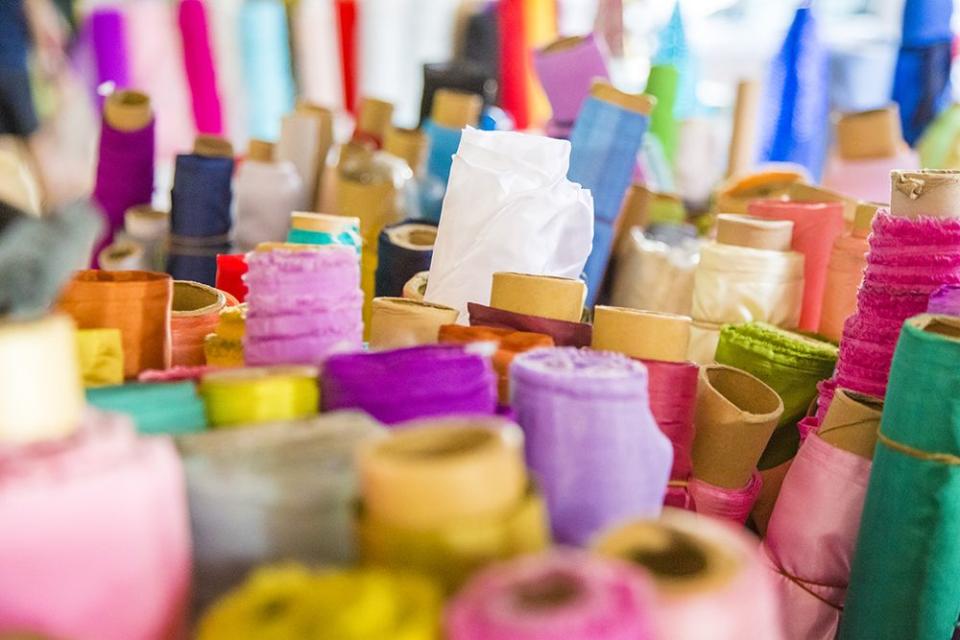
column 374, row 117
column 735, row 417
column 647, row 335
column 212, row 147
column 323, row 222
column 801, row 192
column 863, row 219
column 397, row 322
column 750, row 231
column 743, row 141
column 852, row 422
column 407, row 144
column 636, row 102
column 127, row 110
column 260, row 151
column 542, row 296
column 455, row 109
column 870, row 134
column 925, row 193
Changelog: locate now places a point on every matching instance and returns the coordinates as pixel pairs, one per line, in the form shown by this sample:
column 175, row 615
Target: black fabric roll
column 463, row 76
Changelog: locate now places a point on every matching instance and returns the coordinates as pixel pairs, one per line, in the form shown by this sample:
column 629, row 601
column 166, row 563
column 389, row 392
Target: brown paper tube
column 743, row 141
column 735, row 417
column 260, row 151
column 127, row 110
column 925, row 193
column 324, row 118
column 771, row 481
column 397, row 322
column 852, row 422
column 309, row 221
column 455, row 109
column 416, row 287
column 870, row 134
column 647, row 335
column 863, row 219
column 408, row 144
column 212, row 147
column 734, row 195
column 543, row 296
column 374, row 117
column 808, row 193
column 758, row 233
column 635, row 213
column 636, row 102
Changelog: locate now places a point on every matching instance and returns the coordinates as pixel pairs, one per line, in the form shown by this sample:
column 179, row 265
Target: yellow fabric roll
column 247, row 396
column 224, row 347
column 100, row 353
column 647, row 335
column 41, row 395
column 543, row 296
column 398, row 322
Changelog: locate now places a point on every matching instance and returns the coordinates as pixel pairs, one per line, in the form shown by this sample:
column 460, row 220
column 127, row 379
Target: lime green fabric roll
column 905, row 580
column 790, row 363
column 662, row 84
column 155, row 408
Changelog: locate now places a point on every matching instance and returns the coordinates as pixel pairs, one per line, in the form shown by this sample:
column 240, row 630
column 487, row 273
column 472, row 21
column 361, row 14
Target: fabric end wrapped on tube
column 564, row 334
column 323, row 229
column 195, row 313
column 248, row 396
column 739, row 230
column 645, row 335
column 405, row 249
column 567, row 69
column 399, row 322
column 155, row 408
column 652, row 274
column 543, row 296
column 100, row 353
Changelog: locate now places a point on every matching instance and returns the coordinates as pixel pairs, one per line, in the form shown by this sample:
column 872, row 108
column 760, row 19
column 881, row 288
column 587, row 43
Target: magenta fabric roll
column 107, row 35
column 812, row 535
column 945, row 300
column 199, row 67
column 728, row 504
column 403, row 384
column 564, row 334
column 560, row 595
column 590, row 438
column 302, row 306
column 95, row 541
column 566, row 77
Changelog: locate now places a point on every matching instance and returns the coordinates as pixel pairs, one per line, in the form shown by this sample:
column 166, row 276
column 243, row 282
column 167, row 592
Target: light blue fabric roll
column 265, row 49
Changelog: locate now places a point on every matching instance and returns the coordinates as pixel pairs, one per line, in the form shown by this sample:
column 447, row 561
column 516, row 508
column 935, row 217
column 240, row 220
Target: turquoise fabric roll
column 155, row 408
column 349, row 238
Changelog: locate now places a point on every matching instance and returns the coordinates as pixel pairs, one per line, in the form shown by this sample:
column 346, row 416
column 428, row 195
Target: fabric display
column 155, row 409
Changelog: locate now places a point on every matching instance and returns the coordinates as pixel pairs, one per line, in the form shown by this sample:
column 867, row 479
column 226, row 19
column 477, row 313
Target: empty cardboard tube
column 454, row 109
column 324, row 119
column 743, row 141
column 397, row 322
column 127, row 110
column 925, row 193
column 636, row 102
column 647, row 335
column 542, row 296
column 852, row 422
column 260, row 151
column 323, row 222
column 757, row 233
column 870, row 134
column 737, row 192
column 809, row 193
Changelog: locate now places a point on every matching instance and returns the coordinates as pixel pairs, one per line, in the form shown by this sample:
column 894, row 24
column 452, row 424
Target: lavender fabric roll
column 590, row 438
column 419, row 382
column 945, row 300
column 567, row 69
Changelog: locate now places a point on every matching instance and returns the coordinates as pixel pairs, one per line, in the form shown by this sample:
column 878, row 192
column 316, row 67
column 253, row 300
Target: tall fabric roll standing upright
column 266, row 62
column 198, row 62
column 316, row 40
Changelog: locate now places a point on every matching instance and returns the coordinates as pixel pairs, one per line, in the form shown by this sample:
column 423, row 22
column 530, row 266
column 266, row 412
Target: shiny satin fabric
column 155, row 408
column 101, row 356
column 243, row 397
column 734, row 505
column 135, row 302
column 195, row 313
column 564, row 334
column 653, row 275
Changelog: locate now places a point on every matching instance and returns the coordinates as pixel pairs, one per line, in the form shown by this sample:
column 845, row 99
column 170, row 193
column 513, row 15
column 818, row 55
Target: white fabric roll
column 509, row 207
column 267, row 193
column 224, row 18
column 654, row 276
column 316, row 40
column 704, row 338
column 299, row 145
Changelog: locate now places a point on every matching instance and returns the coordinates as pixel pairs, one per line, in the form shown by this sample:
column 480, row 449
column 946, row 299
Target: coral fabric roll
column 844, row 275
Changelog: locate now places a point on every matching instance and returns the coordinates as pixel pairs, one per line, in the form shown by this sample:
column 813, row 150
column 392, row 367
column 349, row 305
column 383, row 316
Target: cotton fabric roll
column 256, row 395
column 267, row 192
column 265, row 56
column 123, row 487
column 845, row 273
column 316, row 43
column 230, row 271
column 590, row 478
column 641, row 334
column 405, row 249
column 397, row 322
column 543, row 296
column 195, row 312
column 418, row 382
column 100, row 354
column 564, row 334
column 653, row 275
column 154, row 408
column 304, row 304
column 525, row 194
column 195, row 34
column 285, row 491
column 567, row 69
column 224, row 347
column 560, row 594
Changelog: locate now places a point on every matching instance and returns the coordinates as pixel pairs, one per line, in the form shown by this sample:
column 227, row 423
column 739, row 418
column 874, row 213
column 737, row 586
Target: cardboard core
column 193, row 298
column 863, row 219
column 940, row 325
column 646, row 335
column 757, row 233
column 538, row 295
column 212, row 147
column 374, row 117
column 743, row 141
column 454, row 109
column 324, row 222
column 852, row 423
column 636, row 102
column 808, row 193
column 563, row 44
column 428, row 444
column 260, row 151
column 127, row 110
column 555, row 590
column 925, row 193
column 870, row 134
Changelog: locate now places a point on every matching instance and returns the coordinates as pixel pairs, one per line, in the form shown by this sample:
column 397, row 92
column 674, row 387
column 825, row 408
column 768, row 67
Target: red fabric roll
column 347, row 20
column 514, row 62
column 230, row 270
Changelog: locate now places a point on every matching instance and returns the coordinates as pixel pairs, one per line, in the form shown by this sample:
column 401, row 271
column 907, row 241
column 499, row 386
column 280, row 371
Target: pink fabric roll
column 844, row 274
column 812, row 535
column 561, row 595
column 816, row 225
column 867, row 179
column 95, row 541
column 198, row 63
column 566, row 75
column 728, row 504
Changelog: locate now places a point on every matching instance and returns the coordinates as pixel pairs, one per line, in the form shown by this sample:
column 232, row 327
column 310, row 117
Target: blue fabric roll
column 605, row 141
column 397, row 264
column 926, row 22
column 442, row 146
column 265, row 48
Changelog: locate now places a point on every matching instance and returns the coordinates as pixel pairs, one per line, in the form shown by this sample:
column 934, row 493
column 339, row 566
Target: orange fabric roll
column 135, row 302
column 195, row 313
column 844, row 274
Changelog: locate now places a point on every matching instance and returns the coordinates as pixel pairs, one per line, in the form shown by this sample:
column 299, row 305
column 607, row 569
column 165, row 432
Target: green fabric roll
column 156, row 408
column 905, row 580
column 938, row 145
column 790, row 363
column 662, row 84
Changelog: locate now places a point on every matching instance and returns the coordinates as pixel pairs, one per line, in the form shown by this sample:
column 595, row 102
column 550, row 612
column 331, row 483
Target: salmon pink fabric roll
column 844, row 275
column 867, row 179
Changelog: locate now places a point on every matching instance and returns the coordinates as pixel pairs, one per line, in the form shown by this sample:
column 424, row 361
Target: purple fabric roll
column 566, row 76
column 590, row 438
column 945, row 300
column 108, row 35
column 420, row 382
column 564, row 334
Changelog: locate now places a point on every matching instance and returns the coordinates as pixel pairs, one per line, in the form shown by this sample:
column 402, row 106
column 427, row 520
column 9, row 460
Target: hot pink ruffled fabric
column 812, row 535
column 728, row 504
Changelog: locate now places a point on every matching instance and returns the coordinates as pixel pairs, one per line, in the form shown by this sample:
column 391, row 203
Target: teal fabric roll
column 155, row 408
column 349, row 238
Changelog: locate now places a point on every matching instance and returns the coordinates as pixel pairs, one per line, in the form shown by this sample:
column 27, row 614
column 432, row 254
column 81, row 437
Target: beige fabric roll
column 399, row 322
column 925, row 193
column 652, row 275
column 647, row 335
column 542, row 296
column 852, row 422
column 756, row 233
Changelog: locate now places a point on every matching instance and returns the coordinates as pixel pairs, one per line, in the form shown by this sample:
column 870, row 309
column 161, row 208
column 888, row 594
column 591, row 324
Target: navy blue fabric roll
column 405, row 249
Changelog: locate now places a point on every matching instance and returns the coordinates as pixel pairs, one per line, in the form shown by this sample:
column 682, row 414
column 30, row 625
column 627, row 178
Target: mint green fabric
column 155, row 407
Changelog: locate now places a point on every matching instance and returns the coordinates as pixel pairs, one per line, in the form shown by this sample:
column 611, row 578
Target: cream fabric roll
column 299, row 144
column 399, row 322
column 704, row 337
column 654, row 276
column 316, row 44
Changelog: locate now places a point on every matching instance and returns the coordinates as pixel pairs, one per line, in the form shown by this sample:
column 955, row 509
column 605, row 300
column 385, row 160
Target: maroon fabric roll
column 564, row 334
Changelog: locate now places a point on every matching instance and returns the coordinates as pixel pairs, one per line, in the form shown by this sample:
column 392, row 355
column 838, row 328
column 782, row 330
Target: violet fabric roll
column 302, row 305
column 567, row 69
column 945, row 300
column 107, row 34
column 591, row 439
column 419, row 382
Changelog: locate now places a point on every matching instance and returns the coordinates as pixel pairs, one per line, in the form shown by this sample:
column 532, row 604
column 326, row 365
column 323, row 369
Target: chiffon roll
column 100, row 353
column 542, row 296
column 398, row 322
column 230, row 271
column 135, row 302
column 564, row 334
column 265, row 57
column 329, row 603
column 816, row 226
column 267, row 192
column 323, row 229
column 415, row 287
column 195, row 312
column 605, row 140
column 149, row 228
column 255, row 395
column 405, row 249
column 284, row 492
column 41, row 392
column 563, row 594
column 200, row 69
column 154, row 408
column 224, row 347
column 705, row 573
column 641, row 334
column 590, row 478
column 567, row 69
column 844, row 274
column 651, row 274
column 901, row 581
column 304, row 304
column 316, row 43
column 418, row 382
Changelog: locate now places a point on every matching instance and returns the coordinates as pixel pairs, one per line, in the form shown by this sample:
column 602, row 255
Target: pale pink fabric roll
column 867, row 179
column 812, row 535
column 844, row 274
column 728, row 504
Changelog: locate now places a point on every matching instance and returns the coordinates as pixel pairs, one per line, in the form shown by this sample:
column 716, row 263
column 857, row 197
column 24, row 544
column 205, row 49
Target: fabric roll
column 945, row 300
column 135, row 302
column 704, row 572
column 373, row 119
column 405, row 249
column 908, row 506
column 537, row 203
column 347, row 26
column 149, row 228
column 256, row 395
column 329, row 603
column 816, row 226
column 867, row 179
column 737, row 192
column 460, row 75
column 195, row 312
column 653, row 275
column 230, row 271
column 43, row 489
column 224, row 347
column 223, row 17
column 481, row 39
column 418, row 382
column 317, row 52
column 154, row 408
column 200, row 70
column 305, row 146
column 641, row 334
column 743, row 137
column 267, row 192
column 738, row 230
column 514, row 97
column 409, row 145
column 937, row 146
column 844, row 275
column 415, row 287
column 567, row 69
column 397, row 322
column 323, row 230
column 590, row 479
column 543, row 296
column 564, row 334
column 107, row 35
column 663, row 84
column 561, row 594
column 123, row 255
column 734, row 505
column 265, row 51
column 100, row 354
column 284, row 490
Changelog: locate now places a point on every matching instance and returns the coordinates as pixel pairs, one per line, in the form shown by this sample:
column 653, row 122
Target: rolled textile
column 195, row 312
column 405, row 249
column 224, row 347
column 267, row 191
column 643, row 207
column 347, row 23
column 539, row 30
column 802, row 192
column 909, row 513
column 230, row 271
column 397, row 322
column 149, row 228
column 123, row 255
column 255, row 395
column 560, row 594
column 590, row 478
column 373, row 119
column 200, row 70
column 108, row 36
column 543, row 296
column 848, row 259
column 135, row 302
column 324, row 118
column 480, row 42
column 417, row 382
column 415, row 287
column 304, row 304
column 743, row 137
column 324, row 229
column 514, row 97
column 484, row 210
column 154, row 408
column 316, row 43
column 100, row 354
column 945, row 300
column 738, row 191
column 937, row 146
column 564, row 334
column 867, row 179
column 285, row 491
column 663, row 84
column 459, row 75
column 653, row 275
column 265, row 51
column 567, row 68
column 641, row 334
column 329, row 603
column 305, row 137
column 605, row 140
column 704, row 572
column 224, row 17
column 738, row 230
